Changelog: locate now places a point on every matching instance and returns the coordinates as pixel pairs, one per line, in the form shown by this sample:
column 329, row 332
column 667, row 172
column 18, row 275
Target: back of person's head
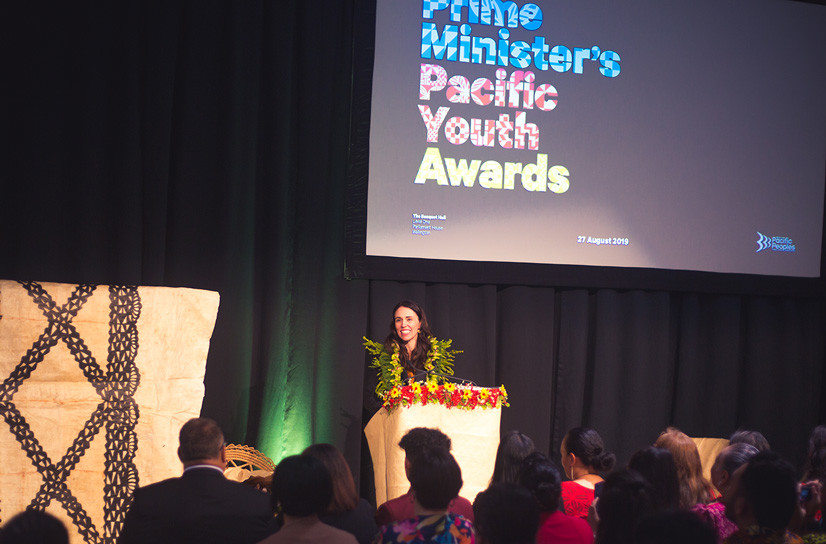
column 436, row 478
column 815, row 467
column 675, row 527
column 755, row 438
column 769, row 486
column 693, row 486
column 200, row 439
column 513, row 448
column 34, row 527
column 345, row 497
column 301, row 486
column 505, row 513
column 625, row 500
column 657, row 466
column 419, row 439
column 587, row 445
column 736, row 455
column 539, row 476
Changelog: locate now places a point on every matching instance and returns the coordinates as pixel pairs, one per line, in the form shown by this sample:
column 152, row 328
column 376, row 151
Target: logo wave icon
column 763, row 242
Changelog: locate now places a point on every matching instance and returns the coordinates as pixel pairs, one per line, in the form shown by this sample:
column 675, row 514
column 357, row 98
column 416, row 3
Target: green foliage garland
column 439, row 359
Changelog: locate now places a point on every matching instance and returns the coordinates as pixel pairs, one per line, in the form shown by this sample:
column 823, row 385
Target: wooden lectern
column 474, row 435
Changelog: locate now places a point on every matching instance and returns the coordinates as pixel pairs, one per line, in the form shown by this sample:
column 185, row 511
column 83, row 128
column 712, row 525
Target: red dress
column 577, row 499
column 557, row 528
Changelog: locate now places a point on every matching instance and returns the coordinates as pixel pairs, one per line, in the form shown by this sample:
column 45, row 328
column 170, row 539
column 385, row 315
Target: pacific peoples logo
column 775, row 243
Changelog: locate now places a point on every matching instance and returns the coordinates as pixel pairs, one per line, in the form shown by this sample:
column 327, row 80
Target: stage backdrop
column 97, row 383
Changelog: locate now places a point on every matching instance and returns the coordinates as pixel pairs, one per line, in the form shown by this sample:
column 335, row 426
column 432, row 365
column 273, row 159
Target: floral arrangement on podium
column 450, row 395
column 395, row 392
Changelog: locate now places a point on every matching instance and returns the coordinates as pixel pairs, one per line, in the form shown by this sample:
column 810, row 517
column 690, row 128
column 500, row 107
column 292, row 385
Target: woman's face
column 407, row 324
column 718, row 475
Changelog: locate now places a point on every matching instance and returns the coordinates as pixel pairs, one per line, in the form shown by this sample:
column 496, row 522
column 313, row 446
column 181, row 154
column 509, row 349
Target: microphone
column 455, row 379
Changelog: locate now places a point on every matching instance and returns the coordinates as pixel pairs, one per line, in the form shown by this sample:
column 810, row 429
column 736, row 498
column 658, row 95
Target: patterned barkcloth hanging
column 97, row 381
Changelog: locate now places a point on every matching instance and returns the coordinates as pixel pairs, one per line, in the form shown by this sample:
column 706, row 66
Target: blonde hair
column 693, row 487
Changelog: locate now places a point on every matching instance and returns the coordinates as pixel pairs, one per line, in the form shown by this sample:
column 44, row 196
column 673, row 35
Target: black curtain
column 205, row 144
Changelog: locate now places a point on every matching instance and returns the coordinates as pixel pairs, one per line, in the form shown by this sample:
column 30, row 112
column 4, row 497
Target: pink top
column 714, row 513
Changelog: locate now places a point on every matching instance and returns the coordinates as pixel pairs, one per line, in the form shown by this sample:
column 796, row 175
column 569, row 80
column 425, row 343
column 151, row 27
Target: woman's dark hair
column 770, row 487
column 34, row 526
column 675, row 527
column 736, row 455
column 586, row 444
column 815, row 467
column 345, row 498
column 657, row 466
column 539, row 476
column 513, row 448
column 505, row 513
column 416, row 359
column 436, row 478
column 755, row 438
column 626, row 499
column 301, row 486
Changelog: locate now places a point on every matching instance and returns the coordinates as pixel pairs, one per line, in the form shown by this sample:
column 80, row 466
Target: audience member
column 302, row 489
column 626, row 499
column 674, row 527
column 694, row 488
column 657, row 466
column 413, row 443
column 506, row 513
column 34, row 527
column 761, row 500
column 541, row 478
column 728, row 460
column 435, row 478
column 346, row 510
column 201, row 506
column 513, row 448
column 584, row 460
column 810, row 519
column 815, row 466
column 753, row 438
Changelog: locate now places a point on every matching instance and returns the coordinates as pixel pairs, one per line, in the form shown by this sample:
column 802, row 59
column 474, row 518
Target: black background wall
column 205, row 144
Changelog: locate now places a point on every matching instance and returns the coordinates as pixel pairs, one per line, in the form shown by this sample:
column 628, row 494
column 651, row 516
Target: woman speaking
column 410, row 335
column 410, row 351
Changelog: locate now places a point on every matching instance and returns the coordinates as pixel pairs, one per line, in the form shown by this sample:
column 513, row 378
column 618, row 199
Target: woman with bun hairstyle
column 584, row 460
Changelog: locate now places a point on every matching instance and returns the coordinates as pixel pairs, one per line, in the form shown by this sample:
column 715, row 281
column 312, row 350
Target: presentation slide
column 678, row 135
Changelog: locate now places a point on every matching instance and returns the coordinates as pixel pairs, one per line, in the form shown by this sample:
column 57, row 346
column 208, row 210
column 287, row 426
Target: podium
column 474, row 434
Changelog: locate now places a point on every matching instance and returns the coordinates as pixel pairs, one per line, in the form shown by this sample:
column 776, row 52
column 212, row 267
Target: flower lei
column 449, row 395
column 439, row 359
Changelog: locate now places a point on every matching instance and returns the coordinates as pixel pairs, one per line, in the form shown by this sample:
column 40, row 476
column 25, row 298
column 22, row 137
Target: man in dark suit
column 201, row 506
